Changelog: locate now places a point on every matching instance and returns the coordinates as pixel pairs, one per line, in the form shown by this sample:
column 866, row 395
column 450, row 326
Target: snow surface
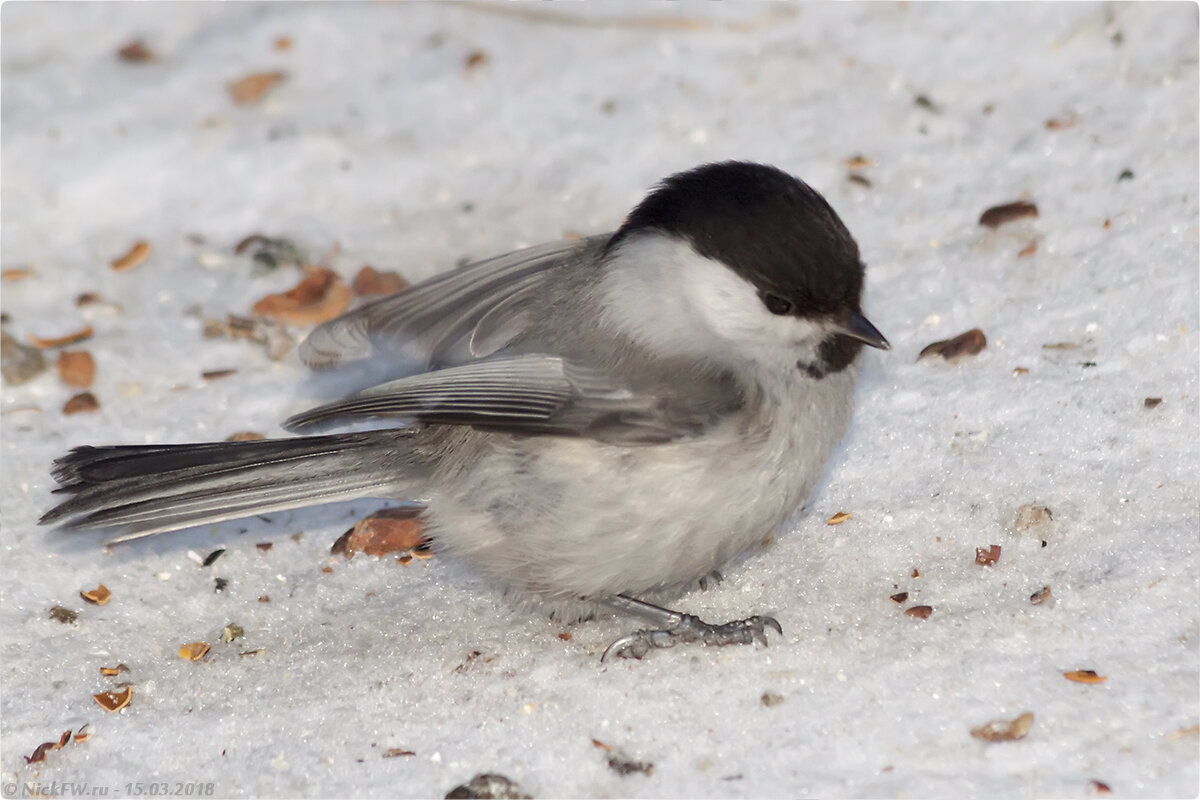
column 382, row 141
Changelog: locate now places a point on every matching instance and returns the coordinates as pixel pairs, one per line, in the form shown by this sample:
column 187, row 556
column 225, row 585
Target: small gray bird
column 602, row 422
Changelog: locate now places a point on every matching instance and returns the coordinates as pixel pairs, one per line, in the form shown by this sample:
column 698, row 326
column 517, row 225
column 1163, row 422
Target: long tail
column 140, row 490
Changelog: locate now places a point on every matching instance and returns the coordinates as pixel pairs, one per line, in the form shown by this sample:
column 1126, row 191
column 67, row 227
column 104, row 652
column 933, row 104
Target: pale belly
column 563, row 518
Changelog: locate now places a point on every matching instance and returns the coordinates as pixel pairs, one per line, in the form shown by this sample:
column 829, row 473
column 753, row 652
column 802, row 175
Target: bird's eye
column 776, row 304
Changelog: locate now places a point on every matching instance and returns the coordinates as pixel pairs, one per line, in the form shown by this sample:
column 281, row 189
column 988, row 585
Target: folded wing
column 529, row 394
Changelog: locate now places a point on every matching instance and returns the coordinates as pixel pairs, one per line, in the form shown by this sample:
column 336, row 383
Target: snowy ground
column 383, row 140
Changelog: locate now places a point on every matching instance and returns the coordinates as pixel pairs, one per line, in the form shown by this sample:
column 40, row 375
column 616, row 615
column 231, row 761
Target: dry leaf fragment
column 396, row 752
column 252, row 88
column 64, row 615
column 216, row 374
column 112, row 672
column 232, row 631
column 39, row 752
column 996, row 216
column 371, row 281
column 264, row 547
column 98, row 596
column 1041, row 596
column 283, row 43
column 859, row 161
column 861, row 180
column 923, row 101
column 1182, row 732
column 60, row 341
column 488, row 785
column 1020, row 371
column 1151, row 402
column 965, row 344
column 624, row 765
column 134, row 258
column 114, row 701
column 1084, row 676
column 1060, row 123
column 19, row 363
column 1000, row 730
column 919, row 612
column 80, row 403
column 987, row 556
column 136, row 52
column 1032, row 515
column 476, row 59
column 838, row 518
column 321, row 296
column 1060, row 346
column 193, row 651
column 387, row 531
column 1028, row 249
column 264, row 598
column 1100, row 787
column 76, row 368
column 16, row 273
column 769, row 699
column 84, row 733
column 244, row 436
column 899, row 597
column 271, row 252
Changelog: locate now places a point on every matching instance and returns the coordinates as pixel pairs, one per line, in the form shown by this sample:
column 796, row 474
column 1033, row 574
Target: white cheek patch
column 662, row 292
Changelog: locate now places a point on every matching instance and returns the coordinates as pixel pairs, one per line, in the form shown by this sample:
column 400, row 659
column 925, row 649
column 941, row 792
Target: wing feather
column 434, row 323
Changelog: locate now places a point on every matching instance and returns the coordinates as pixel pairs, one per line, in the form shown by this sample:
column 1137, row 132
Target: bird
column 593, row 424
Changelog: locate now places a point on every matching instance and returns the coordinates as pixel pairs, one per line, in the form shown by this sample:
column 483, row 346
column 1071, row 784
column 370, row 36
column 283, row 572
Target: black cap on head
column 770, row 228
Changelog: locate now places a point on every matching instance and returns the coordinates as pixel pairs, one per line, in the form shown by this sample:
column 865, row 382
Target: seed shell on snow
column 987, row 556
column 135, row 257
column 45, row 343
column 252, row 88
column 84, row 402
column 98, row 596
column 1084, row 676
column 965, row 344
column 320, row 296
column 996, row 216
column 1000, row 730
column 76, row 368
column 114, row 701
column 193, row 651
column 370, row 281
column 919, row 612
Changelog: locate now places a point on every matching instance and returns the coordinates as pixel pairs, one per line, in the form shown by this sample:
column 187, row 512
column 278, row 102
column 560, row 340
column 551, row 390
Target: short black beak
column 856, row 326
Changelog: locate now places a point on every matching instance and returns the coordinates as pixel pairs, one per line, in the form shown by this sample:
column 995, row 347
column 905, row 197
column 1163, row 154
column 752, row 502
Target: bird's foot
column 688, row 628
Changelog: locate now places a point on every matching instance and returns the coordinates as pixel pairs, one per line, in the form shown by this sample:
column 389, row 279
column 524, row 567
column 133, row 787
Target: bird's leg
column 675, row 627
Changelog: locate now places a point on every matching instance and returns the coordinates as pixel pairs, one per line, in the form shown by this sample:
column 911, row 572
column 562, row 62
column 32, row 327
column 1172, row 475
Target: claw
column 688, row 628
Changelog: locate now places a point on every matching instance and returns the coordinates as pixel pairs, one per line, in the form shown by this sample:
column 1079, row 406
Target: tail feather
column 146, row 489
